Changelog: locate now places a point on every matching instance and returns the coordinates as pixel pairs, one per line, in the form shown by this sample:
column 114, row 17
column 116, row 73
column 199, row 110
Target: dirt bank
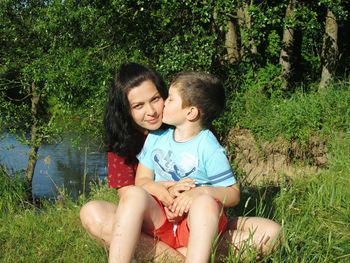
column 271, row 161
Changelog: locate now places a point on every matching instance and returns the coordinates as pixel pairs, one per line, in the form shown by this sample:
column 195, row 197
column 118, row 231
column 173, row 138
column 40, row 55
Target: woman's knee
column 95, row 213
column 274, row 231
column 134, row 195
column 88, row 213
column 97, row 217
column 270, row 233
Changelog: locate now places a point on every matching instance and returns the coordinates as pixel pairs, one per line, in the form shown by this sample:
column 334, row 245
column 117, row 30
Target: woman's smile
column 153, row 120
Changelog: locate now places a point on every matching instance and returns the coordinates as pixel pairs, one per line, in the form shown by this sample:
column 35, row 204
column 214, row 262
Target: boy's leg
column 203, row 219
column 136, row 207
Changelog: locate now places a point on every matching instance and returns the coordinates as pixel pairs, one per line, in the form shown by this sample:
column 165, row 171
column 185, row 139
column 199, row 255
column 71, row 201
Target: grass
column 51, row 234
column 314, row 211
column 297, row 117
column 12, row 192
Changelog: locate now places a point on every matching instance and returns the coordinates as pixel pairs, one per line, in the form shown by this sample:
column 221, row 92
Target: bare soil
column 263, row 162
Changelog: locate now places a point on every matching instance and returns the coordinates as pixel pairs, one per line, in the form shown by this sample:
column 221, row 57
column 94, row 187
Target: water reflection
column 59, row 165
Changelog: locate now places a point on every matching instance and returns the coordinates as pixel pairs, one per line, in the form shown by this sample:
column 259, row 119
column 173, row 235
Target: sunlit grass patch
column 52, row 234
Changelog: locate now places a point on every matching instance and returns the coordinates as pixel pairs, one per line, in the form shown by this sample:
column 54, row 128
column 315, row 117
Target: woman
column 129, row 116
column 135, row 107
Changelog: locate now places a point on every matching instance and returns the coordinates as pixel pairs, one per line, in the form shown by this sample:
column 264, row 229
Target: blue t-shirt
column 202, row 158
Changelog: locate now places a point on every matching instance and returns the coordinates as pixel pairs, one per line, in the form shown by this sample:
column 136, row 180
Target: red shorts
column 177, row 235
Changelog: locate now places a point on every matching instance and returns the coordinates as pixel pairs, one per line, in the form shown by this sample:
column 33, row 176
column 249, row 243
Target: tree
column 50, row 69
column 287, row 45
column 22, row 57
column 246, row 24
column 232, row 42
column 56, row 56
column 329, row 49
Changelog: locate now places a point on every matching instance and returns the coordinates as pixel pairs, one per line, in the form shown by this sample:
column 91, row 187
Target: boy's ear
column 192, row 113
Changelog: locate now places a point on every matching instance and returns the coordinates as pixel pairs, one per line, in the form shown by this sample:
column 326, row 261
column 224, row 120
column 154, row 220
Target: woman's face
column 146, row 105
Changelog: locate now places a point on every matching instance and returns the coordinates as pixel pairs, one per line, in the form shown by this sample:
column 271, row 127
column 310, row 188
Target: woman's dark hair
column 121, row 134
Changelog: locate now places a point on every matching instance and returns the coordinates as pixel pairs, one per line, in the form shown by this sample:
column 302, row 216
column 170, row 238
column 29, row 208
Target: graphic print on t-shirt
column 170, row 169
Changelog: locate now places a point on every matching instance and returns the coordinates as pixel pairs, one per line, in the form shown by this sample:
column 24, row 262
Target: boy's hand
column 172, row 217
column 181, row 186
column 183, row 202
column 162, row 194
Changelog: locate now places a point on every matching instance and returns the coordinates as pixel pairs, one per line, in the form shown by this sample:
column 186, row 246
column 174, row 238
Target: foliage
column 68, row 50
column 66, row 76
column 296, row 117
column 102, row 192
column 53, row 233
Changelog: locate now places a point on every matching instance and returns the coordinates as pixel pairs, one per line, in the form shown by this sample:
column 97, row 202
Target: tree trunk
column 245, row 21
column 329, row 49
column 286, row 54
column 231, row 42
column 33, row 133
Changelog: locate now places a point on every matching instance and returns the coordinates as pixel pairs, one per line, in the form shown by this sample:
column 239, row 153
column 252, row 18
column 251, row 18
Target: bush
column 295, row 118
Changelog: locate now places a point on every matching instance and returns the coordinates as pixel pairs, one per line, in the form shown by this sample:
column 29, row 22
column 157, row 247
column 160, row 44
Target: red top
column 119, row 173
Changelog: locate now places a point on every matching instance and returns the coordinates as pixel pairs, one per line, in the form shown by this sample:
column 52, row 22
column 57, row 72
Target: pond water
column 59, row 166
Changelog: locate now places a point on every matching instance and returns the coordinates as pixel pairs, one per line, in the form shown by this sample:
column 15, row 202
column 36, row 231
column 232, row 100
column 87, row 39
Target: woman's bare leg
column 98, row 218
column 261, row 234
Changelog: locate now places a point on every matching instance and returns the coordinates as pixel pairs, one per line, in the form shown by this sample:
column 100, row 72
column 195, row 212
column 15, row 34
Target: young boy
column 191, row 155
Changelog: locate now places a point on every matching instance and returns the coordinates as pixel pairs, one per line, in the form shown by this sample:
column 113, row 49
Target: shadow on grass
column 256, row 201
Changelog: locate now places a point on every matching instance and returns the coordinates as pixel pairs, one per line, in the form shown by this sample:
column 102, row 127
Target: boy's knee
column 205, row 199
column 206, row 204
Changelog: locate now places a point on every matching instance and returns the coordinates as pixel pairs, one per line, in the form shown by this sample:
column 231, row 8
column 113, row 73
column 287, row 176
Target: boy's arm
column 144, row 178
column 223, row 185
column 229, row 196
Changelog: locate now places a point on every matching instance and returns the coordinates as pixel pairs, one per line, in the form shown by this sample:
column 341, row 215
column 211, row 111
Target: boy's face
column 173, row 113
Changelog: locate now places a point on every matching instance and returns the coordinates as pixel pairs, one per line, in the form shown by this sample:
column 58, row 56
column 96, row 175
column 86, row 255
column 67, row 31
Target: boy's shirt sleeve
column 219, row 169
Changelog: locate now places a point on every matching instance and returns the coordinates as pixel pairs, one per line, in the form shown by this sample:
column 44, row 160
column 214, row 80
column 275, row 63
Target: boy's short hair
column 202, row 90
